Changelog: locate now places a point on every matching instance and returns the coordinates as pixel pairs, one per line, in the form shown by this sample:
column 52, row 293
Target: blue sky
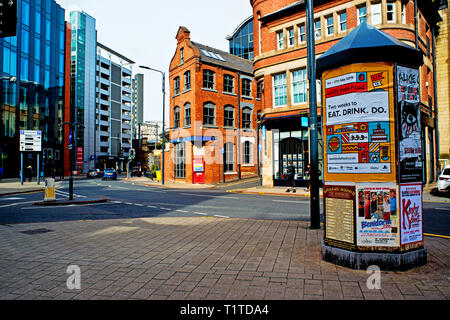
column 145, row 30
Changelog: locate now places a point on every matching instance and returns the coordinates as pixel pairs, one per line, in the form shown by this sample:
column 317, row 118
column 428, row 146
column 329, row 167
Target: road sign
column 30, row 140
column 8, row 18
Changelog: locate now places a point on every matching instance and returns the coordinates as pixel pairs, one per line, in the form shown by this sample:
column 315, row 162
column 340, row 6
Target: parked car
column 109, row 174
column 93, row 173
column 135, row 172
column 444, row 179
column 149, row 174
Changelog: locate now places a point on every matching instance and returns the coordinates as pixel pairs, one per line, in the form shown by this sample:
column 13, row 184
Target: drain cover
column 36, row 231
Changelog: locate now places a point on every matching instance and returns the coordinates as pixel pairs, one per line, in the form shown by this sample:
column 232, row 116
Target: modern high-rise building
column 83, row 87
column 137, row 112
column 241, row 41
column 33, row 85
column 114, row 106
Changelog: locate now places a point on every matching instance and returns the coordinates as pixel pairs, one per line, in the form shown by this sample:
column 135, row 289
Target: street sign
column 30, row 140
column 8, row 18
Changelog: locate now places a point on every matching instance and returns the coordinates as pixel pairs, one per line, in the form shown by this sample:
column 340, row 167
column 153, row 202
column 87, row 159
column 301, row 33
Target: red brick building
column 214, row 105
column 281, row 63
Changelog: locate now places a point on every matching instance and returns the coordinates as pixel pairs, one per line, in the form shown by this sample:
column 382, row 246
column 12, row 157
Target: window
column 25, row 41
column 176, row 85
column 181, row 55
column 228, row 116
column 228, row 83
column 246, row 87
column 258, row 90
column 38, row 22
column 317, row 29
column 187, row 114
column 229, row 157
column 209, row 114
column 362, row 14
column 376, row 13
column 403, row 12
column 176, row 117
column 23, row 69
column 299, row 92
column 290, row 37
column 342, row 16
column 208, row 79
column 47, row 55
column 330, row 25
column 301, row 33
column 280, row 42
column 179, row 163
column 37, row 72
column 25, row 13
column 247, row 155
column 246, row 118
column 48, row 29
column 37, row 48
column 390, row 12
column 280, row 90
column 187, row 80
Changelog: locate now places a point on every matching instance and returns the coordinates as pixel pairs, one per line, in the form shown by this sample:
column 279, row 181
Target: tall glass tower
column 241, row 41
column 32, row 71
column 83, row 86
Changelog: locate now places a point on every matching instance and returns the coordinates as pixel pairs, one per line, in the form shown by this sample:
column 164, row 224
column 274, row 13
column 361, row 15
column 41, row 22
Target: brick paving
column 198, row 259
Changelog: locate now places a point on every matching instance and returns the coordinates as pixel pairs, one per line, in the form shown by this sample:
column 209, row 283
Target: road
column 135, row 201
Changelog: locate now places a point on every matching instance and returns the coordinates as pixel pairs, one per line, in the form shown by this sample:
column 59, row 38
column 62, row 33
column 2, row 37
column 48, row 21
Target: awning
column 193, row 139
column 286, row 114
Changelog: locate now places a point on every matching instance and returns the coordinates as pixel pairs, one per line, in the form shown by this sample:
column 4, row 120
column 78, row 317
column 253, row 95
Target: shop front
column 290, row 144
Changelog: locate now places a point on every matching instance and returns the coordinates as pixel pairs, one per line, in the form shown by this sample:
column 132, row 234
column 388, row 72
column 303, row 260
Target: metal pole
column 163, row 127
column 21, row 168
column 38, row 169
column 314, row 165
column 239, row 125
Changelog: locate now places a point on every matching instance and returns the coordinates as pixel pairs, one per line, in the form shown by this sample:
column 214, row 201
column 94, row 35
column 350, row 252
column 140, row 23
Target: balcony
column 126, row 98
column 126, row 126
column 126, row 117
column 104, row 144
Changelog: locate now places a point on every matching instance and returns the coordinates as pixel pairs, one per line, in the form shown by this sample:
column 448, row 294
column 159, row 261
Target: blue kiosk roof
column 368, row 44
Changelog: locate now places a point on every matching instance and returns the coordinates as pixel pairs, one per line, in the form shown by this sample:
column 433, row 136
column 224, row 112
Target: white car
column 444, row 179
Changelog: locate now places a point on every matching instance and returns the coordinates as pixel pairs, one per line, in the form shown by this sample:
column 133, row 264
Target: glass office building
column 83, row 86
column 241, row 42
column 32, row 70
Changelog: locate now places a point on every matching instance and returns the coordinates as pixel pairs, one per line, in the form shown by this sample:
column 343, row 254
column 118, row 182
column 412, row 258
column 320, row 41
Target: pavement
column 197, row 258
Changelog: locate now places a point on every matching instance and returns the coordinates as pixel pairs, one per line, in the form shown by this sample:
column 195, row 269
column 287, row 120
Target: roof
column 238, row 29
column 102, row 46
column 366, row 43
column 223, row 59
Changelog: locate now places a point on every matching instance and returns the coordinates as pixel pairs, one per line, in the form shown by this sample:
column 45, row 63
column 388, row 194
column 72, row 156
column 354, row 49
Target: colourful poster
column 359, row 123
column 408, row 125
column 377, row 221
column 411, row 213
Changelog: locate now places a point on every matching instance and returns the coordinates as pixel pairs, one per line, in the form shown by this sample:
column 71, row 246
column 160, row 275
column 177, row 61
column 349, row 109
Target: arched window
column 209, row 113
column 187, row 114
column 228, row 116
column 176, row 117
column 246, row 118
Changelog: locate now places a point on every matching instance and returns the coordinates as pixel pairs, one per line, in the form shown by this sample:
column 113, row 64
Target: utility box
column 49, row 191
column 372, row 152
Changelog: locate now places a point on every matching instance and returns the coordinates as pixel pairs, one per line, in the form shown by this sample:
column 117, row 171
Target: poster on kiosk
column 372, row 144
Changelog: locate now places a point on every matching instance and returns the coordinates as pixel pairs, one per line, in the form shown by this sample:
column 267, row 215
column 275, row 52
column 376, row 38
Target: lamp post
column 163, row 106
column 71, row 127
column 314, row 169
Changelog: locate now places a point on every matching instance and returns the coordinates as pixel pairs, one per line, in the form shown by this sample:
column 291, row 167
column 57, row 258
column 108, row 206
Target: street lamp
column 163, row 129
column 72, row 127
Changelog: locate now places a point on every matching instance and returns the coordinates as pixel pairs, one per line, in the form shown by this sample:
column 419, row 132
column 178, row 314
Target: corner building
column 280, row 64
column 214, row 106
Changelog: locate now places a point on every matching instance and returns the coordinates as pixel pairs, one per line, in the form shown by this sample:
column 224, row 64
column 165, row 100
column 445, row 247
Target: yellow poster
column 359, row 123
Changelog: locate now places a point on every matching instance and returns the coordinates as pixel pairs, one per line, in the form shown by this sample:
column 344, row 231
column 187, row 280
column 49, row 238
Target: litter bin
column 158, row 175
column 49, row 192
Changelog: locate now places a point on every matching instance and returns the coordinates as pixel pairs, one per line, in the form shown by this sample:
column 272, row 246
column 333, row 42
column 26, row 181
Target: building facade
column 113, row 109
column 241, row 41
column 83, row 87
column 281, row 65
column 443, row 85
column 214, row 105
column 34, row 85
column 137, row 107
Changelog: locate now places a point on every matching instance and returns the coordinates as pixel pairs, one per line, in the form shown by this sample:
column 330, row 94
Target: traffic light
column 8, row 18
column 132, row 154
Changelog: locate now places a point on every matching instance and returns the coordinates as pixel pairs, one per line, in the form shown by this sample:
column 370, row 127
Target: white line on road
column 199, row 213
column 446, row 209
column 182, row 211
column 167, row 209
column 16, row 204
column 219, row 216
column 138, row 204
column 153, row 207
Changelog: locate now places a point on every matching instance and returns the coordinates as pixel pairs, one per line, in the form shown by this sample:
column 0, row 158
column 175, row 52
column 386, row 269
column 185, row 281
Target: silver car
column 444, row 179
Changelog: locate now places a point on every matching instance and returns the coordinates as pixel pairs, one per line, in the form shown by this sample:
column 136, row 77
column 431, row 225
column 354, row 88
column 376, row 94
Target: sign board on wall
column 359, row 123
column 411, row 213
column 408, row 125
column 377, row 221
